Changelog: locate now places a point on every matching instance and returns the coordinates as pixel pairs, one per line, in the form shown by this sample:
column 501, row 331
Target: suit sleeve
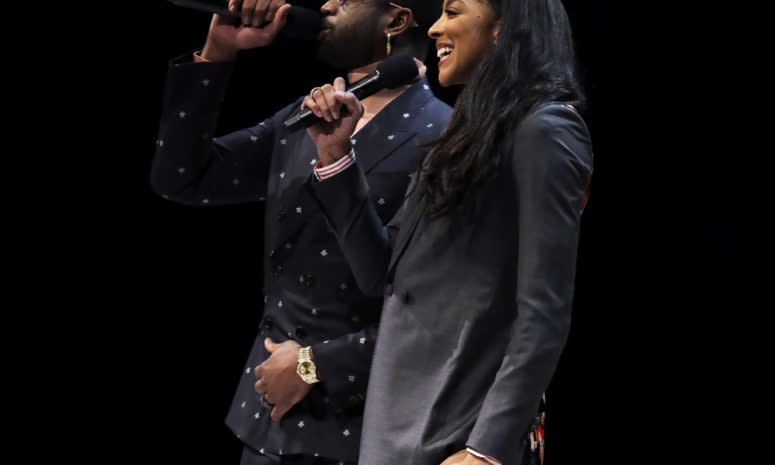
column 367, row 244
column 364, row 240
column 190, row 166
column 551, row 163
column 345, row 363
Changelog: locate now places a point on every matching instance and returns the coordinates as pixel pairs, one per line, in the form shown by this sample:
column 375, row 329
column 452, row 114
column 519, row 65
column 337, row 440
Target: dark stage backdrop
column 136, row 312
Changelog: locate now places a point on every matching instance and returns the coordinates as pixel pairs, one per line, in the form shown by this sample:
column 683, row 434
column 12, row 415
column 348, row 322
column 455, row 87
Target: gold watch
column 306, row 367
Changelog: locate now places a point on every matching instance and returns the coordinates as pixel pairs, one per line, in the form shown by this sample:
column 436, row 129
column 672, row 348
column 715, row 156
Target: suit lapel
column 415, row 205
column 392, row 127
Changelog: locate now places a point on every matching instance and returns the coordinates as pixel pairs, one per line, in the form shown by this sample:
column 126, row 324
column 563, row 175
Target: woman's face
column 463, row 34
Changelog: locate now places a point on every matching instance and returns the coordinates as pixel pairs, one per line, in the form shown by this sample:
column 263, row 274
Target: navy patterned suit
column 310, row 293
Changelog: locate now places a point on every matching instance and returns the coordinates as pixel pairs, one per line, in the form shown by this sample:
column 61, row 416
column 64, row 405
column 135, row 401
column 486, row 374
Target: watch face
column 306, row 369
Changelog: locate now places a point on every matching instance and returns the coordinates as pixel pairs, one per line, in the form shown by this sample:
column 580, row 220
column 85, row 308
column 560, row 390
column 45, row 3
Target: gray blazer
column 476, row 312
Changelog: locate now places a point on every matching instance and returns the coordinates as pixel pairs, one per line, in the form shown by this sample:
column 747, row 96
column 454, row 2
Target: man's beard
column 346, row 51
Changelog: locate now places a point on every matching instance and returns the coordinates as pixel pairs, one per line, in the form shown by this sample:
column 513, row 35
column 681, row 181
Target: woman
column 478, row 267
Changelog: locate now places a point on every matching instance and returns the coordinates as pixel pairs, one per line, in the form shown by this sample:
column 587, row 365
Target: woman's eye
column 450, row 12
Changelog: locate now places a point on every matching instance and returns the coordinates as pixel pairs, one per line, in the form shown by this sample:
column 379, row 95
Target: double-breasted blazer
column 310, row 294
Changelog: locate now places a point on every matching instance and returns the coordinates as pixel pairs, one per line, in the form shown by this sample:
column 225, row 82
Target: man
column 301, row 394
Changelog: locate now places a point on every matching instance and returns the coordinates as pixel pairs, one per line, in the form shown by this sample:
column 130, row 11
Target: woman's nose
column 436, row 30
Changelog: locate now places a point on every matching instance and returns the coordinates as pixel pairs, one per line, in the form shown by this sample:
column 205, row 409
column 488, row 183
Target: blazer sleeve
column 344, row 365
column 551, row 163
column 189, row 165
column 365, row 242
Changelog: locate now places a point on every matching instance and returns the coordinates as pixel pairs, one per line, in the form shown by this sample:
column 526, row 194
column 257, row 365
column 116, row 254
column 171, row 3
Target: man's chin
column 339, row 57
column 327, row 56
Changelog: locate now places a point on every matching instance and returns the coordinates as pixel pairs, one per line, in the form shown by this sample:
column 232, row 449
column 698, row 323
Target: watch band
column 305, row 374
column 304, row 355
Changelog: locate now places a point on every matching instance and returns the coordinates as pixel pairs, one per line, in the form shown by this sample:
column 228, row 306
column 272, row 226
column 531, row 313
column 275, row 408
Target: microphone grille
column 398, row 70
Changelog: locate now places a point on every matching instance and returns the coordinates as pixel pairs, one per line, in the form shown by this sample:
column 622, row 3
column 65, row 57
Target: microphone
column 301, row 24
column 395, row 71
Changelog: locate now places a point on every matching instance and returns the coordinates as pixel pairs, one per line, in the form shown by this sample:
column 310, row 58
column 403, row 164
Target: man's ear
column 400, row 20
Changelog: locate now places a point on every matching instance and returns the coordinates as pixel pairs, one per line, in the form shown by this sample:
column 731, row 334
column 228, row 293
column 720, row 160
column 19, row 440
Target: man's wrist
column 218, row 54
column 324, row 172
column 334, row 154
column 306, row 369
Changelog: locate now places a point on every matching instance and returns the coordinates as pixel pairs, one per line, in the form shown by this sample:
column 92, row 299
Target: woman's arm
column 551, row 165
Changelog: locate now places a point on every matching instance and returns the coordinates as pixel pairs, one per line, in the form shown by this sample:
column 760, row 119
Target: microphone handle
column 207, row 7
column 362, row 88
column 302, row 23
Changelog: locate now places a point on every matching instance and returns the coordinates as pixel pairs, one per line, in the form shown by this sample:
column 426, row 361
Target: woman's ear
column 496, row 30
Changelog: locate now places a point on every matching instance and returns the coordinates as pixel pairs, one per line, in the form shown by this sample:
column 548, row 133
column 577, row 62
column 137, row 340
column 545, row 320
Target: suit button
column 408, row 299
column 306, row 280
column 268, row 323
column 282, row 215
column 388, row 289
column 277, row 270
column 301, row 333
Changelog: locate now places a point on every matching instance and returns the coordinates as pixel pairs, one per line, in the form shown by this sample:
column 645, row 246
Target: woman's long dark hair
column 532, row 62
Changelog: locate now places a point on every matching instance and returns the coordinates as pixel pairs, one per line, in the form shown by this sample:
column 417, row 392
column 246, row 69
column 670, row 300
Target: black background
column 135, row 314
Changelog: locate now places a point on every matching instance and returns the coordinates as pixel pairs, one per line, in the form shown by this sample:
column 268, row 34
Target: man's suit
column 310, row 295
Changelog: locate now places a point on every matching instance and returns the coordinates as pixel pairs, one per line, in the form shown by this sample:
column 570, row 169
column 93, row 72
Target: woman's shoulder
column 552, row 118
column 551, row 131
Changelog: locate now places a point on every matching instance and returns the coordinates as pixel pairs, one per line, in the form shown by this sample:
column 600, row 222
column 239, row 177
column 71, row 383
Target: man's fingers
column 247, row 11
column 278, row 20
column 310, row 103
column 340, row 84
column 259, row 12
column 274, row 6
column 279, row 411
column 260, row 387
column 259, row 371
column 351, row 102
column 319, row 95
column 331, row 103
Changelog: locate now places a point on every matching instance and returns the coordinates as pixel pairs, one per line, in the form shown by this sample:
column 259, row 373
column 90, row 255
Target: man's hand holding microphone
column 258, row 26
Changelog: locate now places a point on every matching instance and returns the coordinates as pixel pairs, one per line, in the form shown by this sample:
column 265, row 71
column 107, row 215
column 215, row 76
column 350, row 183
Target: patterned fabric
column 254, row 457
column 309, row 291
column 536, row 435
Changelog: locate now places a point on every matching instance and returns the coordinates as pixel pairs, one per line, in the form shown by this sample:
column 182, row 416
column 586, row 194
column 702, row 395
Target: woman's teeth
column 443, row 52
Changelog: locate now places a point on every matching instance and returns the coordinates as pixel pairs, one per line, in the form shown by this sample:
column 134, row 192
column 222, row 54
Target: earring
column 388, row 44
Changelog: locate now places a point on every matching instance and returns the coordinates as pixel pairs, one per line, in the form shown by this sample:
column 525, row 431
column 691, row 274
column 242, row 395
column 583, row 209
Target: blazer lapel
column 392, row 127
column 415, row 205
column 384, row 134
